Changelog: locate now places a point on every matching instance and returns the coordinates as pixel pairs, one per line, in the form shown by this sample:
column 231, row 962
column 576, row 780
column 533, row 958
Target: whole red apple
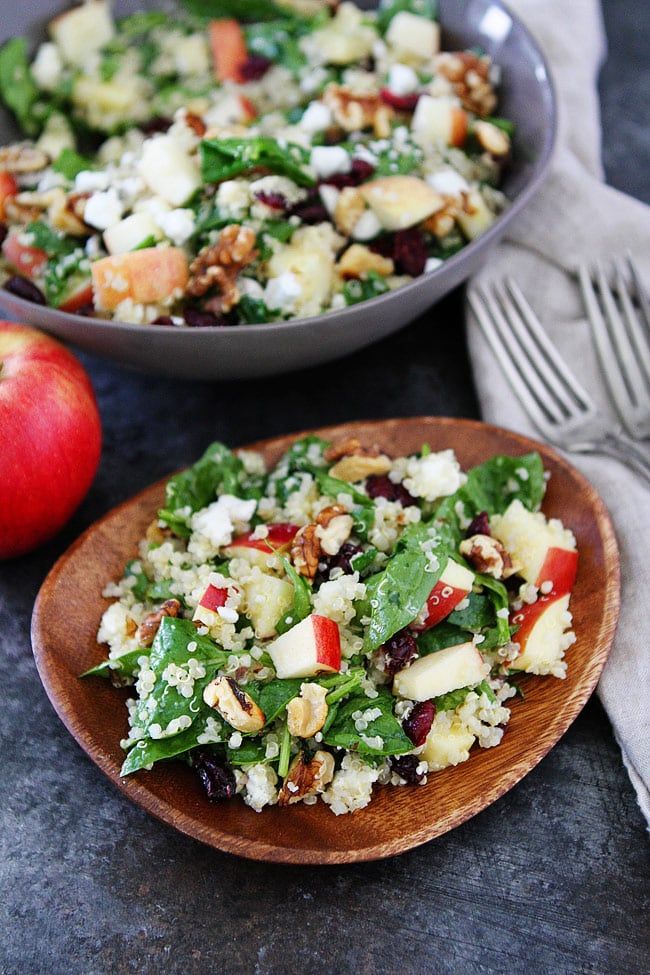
column 50, row 437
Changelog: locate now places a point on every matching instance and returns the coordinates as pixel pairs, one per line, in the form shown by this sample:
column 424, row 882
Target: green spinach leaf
column 223, row 159
column 148, row 751
column 125, row 666
column 70, row 163
column 17, row 88
column 388, row 9
column 342, row 732
column 218, row 471
column 301, row 605
column 273, row 696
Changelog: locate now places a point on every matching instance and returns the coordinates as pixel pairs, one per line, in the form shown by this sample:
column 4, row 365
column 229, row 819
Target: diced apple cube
column 311, row 647
column 475, row 215
column 542, row 635
column 447, row 745
column 454, row 585
column 147, row 276
column 257, row 551
column 399, row 202
column 168, row 170
column 441, row 672
column 545, row 550
column 213, row 599
column 267, row 599
column 82, row 30
column 414, row 35
column 131, row 233
column 439, row 120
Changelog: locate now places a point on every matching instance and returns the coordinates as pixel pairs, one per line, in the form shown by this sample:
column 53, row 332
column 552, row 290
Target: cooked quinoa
column 344, row 619
column 188, row 172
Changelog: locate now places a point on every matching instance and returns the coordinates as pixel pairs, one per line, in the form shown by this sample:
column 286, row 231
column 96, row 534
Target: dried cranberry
column 410, row 252
column 479, row 525
column 402, row 103
column 4, row 230
column 406, row 767
column 399, row 652
column 418, row 724
column 159, row 123
column 254, row 67
column 360, row 170
column 342, row 560
column 217, row 778
column 310, row 212
column 274, row 200
column 196, row 318
column 163, row 320
column 381, row 486
column 24, row 288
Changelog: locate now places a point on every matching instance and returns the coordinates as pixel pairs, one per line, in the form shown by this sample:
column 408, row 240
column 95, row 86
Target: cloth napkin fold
column 576, row 217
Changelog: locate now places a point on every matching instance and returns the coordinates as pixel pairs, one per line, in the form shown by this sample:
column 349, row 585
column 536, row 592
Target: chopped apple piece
column 82, row 30
column 8, row 187
column 267, row 599
column 228, row 49
column 147, row 276
column 28, row 261
column 454, row 585
column 439, row 120
column 542, row 635
column 131, row 233
column 311, row 647
column 475, row 215
column 257, row 551
column 441, row 672
column 414, row 35
column 213, row 599
column 447, row 746
column 399, row 202
column 79, row 296
column 545, row 550
column 168, row 170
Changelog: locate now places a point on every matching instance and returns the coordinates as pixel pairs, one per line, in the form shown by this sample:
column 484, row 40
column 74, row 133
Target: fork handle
column 627, row 451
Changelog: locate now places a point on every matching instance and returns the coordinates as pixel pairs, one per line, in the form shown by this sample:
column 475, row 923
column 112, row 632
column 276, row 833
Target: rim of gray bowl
column 495, row 230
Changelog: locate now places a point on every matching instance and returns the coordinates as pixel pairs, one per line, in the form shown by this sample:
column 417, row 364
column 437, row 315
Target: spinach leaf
column 142, row 581
column 158, row 592
column 217, row 471
column 332, row 486
column 253, row 311
column 302, row 457
column 388, row 9
column 53, row 242
column 70, row 163
column 301, row 605
column 498, row 594
column 223, row 159
column 364, row 520
column 392, row 163
column 342, row 732
column 363, row 560
column 280, row 230
column 361, row 289
column 396, row 594
column 17, row 88
column 64, row 275
column 506, row 124
column 241, row 10
column 148, row 751
column 165, row 702
column 274, row 696
column 250, row 752
column 478, row 615
column 142, row 23
column 439, row 637
column 452, row 700
column 124, row 666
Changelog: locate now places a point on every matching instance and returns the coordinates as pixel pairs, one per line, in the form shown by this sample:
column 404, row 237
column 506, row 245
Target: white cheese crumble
column 328, row 160
column 103, row 209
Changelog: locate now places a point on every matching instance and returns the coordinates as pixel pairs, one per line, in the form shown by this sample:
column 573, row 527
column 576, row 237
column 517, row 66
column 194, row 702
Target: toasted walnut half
column 359, row 468
column 234, row 705
column 333, row 528
column 151, row 623
column 22, row 158
column 217, row 267
column 469, row 75
column 354, row 111
column 307, row 714
column 306, row 777
column 305, row 551
column 488, row 556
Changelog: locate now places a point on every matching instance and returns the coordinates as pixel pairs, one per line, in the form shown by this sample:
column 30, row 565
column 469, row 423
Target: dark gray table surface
column 553, row 878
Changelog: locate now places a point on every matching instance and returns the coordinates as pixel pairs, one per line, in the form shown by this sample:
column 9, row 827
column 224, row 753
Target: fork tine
column 604, row 347
column 641, row 296
column 552, row 367
column 639, row 341
column 623, row 353
column 487, row 323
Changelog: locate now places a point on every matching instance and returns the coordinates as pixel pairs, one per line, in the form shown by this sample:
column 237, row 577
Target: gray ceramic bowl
column 527, row 97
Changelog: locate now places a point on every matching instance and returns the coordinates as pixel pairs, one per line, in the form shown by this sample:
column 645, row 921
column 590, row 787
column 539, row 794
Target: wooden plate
column 69, row 607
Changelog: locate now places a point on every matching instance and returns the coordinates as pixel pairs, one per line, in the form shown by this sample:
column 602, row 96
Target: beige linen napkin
column 576, row 217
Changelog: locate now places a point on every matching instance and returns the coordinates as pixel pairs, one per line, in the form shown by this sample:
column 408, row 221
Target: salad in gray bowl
column 225, row 189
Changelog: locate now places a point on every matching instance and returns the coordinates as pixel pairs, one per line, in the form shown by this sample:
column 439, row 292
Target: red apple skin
column 328, row 642
column 51, row 437
column 80, row 298
column 441, row 602
column 8, row 187
column 213, row 598
column 560, row 567
column 279, row 537
column 28, row 261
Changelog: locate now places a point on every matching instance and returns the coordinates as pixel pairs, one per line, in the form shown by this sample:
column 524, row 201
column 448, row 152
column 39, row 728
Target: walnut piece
column 150, row 624
column 217, row 267
column 488, row 556
column 333, row 528
column 469, row 75
column 305, row 551
column 359, row 260
column 234, row 705
column 22, row 158
column 307, row 714
column 359, row 468
column 349, row 447
column 306, row 777
column 354, row 111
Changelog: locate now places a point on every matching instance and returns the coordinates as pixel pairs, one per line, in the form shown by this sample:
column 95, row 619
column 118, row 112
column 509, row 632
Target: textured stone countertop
column 550, row 879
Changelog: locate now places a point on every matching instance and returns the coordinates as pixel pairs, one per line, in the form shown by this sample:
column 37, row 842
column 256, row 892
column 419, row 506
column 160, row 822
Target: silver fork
column 555, row 401
column 621, row 341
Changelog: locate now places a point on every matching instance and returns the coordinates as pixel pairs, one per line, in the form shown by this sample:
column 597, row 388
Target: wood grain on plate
column 69, row 607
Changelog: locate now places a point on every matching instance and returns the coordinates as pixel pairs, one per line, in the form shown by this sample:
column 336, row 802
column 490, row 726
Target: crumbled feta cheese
column 233, row 198
column 448, row 182
column 328, row 160
column 219, row 520
column 402, row 80
column 178, row 225
column 103, row 209
column 281, row 292
column 433, row 476
column 431, row 264
column 316, row 118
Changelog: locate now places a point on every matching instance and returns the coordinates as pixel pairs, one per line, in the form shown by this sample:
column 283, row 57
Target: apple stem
column 285, row 752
